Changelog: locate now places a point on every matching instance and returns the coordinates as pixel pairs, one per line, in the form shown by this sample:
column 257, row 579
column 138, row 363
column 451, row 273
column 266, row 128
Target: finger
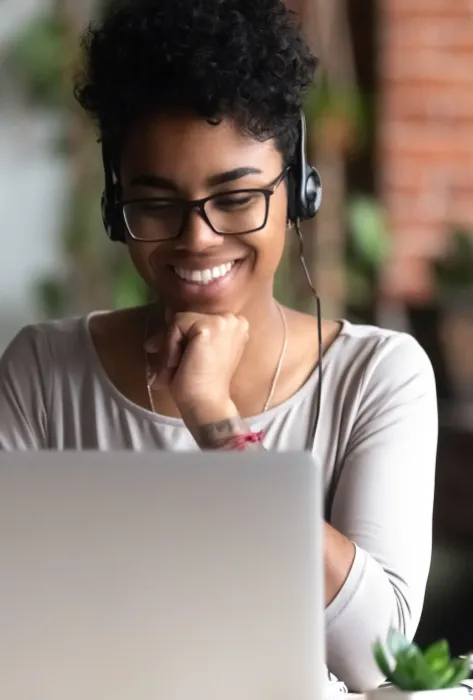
column 198, row 330
column 154, row 343
column 244, row 325
column 185, row 321
column 167, row 361
column 154, row 358
column 175, row 347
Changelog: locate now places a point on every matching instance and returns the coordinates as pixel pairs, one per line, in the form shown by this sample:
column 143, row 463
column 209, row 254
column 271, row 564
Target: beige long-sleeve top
column 376, row 439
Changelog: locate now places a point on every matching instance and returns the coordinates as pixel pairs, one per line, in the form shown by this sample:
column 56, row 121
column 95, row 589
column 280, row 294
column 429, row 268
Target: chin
column 214, row 307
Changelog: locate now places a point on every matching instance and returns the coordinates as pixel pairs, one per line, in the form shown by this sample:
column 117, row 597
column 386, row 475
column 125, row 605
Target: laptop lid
column 162, row 576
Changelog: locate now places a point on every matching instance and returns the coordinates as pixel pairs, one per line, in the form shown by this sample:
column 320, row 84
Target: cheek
column 142, row 256
column 273, row 239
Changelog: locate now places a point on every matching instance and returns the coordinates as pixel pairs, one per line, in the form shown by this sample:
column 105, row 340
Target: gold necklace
column 273, row 383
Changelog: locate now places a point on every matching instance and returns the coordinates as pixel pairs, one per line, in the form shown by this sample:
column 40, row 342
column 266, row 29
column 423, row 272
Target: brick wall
column 425, row 153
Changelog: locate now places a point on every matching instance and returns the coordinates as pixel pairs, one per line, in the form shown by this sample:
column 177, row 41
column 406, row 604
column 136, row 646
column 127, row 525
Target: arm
column 23, row 417
column 383, row 504
column 211, row 426
column 378, row 542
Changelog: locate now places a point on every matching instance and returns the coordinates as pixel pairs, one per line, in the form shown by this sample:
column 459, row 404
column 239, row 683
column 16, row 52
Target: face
column 177, row 159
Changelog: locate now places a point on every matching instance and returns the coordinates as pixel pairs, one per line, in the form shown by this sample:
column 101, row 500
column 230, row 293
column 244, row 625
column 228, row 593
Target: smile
column 204, row 276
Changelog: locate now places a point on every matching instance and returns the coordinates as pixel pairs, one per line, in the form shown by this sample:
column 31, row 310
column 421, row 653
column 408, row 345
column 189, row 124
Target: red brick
column 418, row 139
column 418, row 32
column 405, row 9
column 427, row 102
column 408, row 278
column 420, row 241
column 429, row 65
column 415, row 175
column 425, row 140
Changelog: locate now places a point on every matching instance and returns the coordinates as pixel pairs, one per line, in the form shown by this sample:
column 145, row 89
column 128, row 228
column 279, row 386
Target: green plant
column 454, row 272
column 410, row 669
column 367, row 249
column 38, row 57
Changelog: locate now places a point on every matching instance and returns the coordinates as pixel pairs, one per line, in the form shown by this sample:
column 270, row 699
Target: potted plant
column 416, row 674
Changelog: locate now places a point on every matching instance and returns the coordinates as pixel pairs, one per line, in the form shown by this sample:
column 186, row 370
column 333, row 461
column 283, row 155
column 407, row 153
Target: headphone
column 304, row 183
column 304, row 189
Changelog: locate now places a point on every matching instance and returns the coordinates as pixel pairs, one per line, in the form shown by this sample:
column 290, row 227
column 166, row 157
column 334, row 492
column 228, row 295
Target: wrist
column 207, row 411
column 213, row 424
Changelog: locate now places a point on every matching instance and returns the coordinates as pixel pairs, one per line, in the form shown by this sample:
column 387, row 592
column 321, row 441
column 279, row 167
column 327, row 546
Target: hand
column 197, row 360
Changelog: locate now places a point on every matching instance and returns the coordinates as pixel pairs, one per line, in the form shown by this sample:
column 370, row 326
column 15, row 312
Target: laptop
column 161, row 576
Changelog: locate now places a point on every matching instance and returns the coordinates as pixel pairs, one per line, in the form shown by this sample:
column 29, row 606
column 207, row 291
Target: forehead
column 180, row 147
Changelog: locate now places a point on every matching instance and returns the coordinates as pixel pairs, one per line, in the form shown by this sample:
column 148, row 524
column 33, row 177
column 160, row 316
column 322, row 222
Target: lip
column 203, row 264
column 192, row 292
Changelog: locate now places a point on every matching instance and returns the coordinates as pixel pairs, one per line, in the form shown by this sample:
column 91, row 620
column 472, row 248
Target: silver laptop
column 160, row 576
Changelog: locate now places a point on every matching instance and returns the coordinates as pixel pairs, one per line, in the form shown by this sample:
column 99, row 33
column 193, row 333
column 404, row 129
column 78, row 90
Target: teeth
column 203, row 276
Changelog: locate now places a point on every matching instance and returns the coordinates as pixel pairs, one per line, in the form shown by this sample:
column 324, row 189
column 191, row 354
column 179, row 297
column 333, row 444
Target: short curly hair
column 246, row 60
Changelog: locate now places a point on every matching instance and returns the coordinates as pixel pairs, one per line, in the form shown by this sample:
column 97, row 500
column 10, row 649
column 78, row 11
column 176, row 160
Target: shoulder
column 47, row 343
column 382, row 354
column 29, row 370
column 387, row 376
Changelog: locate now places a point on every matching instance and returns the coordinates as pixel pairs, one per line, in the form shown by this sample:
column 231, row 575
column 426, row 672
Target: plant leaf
column 413, row 666
column 397, row 642
column 368, row 230
column 409, row 669
column 444, row 679
column 461, row 671
column 438, row 656
column 382, row 661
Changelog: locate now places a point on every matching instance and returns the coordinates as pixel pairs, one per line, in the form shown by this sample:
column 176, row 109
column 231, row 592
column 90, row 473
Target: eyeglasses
column 227, row 213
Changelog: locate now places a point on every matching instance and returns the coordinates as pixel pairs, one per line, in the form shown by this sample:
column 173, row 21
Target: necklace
column 273, row 383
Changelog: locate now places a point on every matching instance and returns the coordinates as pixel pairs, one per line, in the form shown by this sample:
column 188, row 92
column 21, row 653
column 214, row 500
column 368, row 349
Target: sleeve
column 24, row 385
column 383, row 503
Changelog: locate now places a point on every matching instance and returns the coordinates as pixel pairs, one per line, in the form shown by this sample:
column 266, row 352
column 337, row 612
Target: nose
column 196, row 234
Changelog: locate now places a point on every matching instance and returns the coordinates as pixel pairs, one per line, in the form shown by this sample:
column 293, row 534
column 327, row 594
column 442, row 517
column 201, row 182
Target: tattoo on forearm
column 213, row 435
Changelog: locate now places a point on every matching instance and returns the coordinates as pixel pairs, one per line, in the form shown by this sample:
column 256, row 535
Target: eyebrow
column 163, row 183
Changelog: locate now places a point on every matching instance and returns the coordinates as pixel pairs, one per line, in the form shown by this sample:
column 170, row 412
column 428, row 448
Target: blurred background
column 391, row 130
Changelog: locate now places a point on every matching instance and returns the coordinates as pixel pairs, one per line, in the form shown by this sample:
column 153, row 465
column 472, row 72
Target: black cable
column 319, row 327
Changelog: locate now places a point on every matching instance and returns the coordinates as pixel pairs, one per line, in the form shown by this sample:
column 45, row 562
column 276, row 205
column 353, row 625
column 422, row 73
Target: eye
column 152, row 206
column 240, row 200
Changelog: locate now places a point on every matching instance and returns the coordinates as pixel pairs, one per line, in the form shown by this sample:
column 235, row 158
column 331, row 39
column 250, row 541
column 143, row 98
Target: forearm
column 364, row 611
column 339, row 555
column 215, row 426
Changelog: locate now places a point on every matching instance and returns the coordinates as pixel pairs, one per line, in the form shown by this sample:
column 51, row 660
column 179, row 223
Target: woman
column 198, row 108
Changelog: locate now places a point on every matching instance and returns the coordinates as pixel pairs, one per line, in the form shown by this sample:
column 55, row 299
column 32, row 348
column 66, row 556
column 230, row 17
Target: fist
column 198, row 358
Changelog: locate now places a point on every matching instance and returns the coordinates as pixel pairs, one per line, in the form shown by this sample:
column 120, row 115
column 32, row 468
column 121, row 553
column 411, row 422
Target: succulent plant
column 408, row 668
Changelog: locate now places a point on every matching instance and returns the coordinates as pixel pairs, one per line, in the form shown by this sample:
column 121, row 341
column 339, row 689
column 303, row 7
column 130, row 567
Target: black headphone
column 112, row 215
column 304, row 189
column 304, row 183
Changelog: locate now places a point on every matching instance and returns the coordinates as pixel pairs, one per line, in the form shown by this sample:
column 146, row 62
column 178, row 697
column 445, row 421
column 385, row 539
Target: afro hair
column 241, row 59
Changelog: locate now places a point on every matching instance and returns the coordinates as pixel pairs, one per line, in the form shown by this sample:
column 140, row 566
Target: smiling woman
column 198, row 105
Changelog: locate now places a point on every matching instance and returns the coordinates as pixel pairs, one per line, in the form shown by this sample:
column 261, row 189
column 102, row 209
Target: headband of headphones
column 304, row 189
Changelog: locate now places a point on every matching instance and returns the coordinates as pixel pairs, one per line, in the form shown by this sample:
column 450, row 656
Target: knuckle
column 221, row 322
column 243, row 324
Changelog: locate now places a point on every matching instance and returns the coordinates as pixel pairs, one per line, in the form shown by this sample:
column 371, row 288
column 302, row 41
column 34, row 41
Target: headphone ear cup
column 112, row 219
column 104, row 207
column 313, row 194
column 303, row 203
